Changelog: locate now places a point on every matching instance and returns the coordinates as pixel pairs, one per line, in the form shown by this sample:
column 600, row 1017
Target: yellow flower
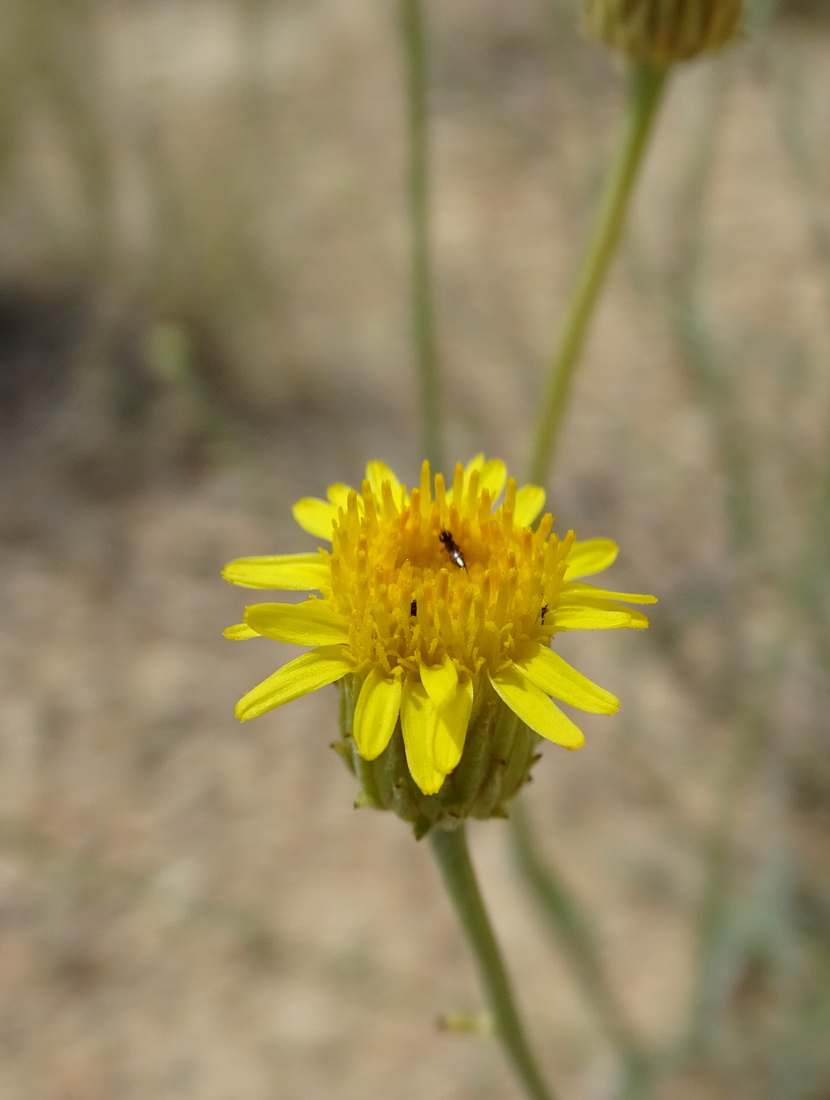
column 436, row 608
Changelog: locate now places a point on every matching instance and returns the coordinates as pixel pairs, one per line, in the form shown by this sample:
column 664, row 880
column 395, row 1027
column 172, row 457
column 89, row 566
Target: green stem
column 423, row 318
column 453, row 857
column 645, row 94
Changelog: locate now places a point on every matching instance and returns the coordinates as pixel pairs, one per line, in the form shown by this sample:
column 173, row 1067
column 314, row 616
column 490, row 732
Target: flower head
column 663, row 32
column 435, row 611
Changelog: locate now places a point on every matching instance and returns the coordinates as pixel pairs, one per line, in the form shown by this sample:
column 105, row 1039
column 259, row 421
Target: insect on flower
column 453, row 549
column 442, row 707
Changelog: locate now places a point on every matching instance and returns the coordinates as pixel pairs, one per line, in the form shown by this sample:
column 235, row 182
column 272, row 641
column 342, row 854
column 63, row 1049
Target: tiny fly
column 453, row 549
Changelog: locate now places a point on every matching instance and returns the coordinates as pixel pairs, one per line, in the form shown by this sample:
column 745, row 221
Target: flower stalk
column 423, row 312
column 452, row 855
column 646, row 87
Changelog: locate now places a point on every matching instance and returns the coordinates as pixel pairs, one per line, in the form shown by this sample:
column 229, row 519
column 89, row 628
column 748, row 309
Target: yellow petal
column 590, row 618
column 457, row 489
column 291, row 571
column 534, row 708
column 310, row 623
column 530, row 500
column 577, row 588
column 475, row 463
column 418, row 721
column 299, row 677
column 554, row 676
column 378, row 707
column 451, row 727
column 590, row 556
column 639, row 621
column 240, row 632
column 338, row 494
column 315, row 516
column 636, row 619
column 493, row 476
column 440, row 681
column 377, row 473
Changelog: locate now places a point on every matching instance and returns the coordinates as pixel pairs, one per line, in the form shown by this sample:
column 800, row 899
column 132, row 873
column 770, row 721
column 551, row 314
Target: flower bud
column 663, row 32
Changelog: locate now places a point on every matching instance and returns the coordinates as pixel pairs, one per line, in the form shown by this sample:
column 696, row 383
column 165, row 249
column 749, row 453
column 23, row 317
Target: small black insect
column 545, row 610
column 413, row 608
column 453, row 549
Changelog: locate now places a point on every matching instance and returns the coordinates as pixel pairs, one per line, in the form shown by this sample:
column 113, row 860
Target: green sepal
column 499, row 752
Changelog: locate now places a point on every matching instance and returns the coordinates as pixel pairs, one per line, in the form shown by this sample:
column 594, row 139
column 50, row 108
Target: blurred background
column 203, row 317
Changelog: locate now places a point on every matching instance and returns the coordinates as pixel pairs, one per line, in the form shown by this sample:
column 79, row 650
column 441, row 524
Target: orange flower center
column 425, row 576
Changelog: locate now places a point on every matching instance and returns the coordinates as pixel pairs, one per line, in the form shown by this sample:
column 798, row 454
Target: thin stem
column 423, row 317
column 453, row 857
column 645, row 94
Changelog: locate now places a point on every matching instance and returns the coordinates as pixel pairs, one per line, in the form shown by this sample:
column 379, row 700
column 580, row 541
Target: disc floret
column 409, row 605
